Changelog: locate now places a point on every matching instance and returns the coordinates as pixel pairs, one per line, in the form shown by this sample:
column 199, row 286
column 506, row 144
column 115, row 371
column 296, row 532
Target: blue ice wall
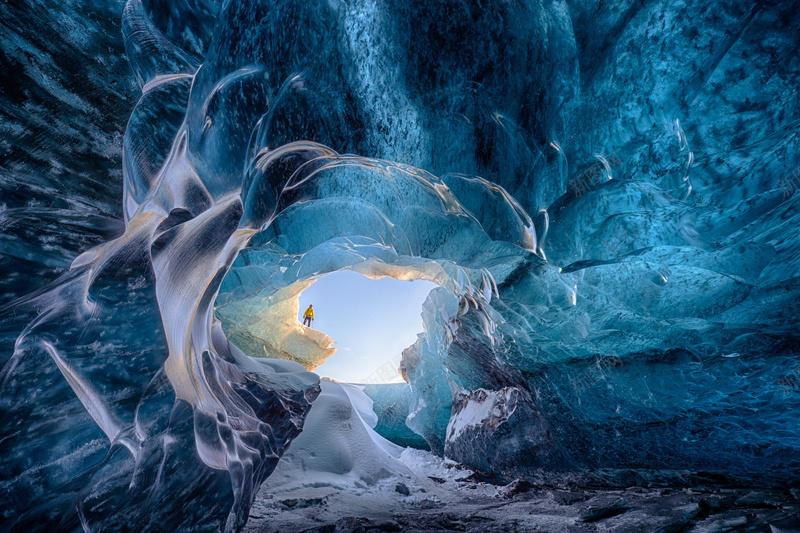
column 606, row 195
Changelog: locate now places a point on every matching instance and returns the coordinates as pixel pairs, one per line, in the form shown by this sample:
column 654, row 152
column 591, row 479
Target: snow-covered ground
column 341, row 476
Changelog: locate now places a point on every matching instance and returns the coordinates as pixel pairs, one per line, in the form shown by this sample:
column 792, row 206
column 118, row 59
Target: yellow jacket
column 309, row 313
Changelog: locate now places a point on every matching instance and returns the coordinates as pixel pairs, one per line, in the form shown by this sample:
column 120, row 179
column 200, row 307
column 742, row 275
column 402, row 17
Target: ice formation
column 338, row 445
column 604, row 195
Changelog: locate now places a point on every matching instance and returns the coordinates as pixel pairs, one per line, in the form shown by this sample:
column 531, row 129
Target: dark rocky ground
column 444, row 496
column 630, row 510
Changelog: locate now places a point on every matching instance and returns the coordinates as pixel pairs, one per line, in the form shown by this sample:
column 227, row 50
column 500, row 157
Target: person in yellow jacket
column 308, row 316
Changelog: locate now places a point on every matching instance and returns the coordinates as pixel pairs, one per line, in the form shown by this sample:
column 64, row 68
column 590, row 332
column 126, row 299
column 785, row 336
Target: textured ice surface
column 390, row 402
column 605, row 194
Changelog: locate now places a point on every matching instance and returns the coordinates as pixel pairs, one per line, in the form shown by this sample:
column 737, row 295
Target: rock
column 451, row 524
column 757, row 500
column 301, row 503
column 402, row 489
column 518, row 486
column 719, row 524
column 479, row 517
column 429, row 503
column 389, row 525
column 714, row 503
column 350, row 524
column 567, row 498
column 686, row 514
column 475, row 477
column 603, row 508
column 327, row 528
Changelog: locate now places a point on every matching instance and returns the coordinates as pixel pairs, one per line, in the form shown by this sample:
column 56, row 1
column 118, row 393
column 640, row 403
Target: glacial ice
column 605, row 196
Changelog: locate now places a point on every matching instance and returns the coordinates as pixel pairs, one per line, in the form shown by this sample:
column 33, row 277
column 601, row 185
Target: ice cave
column 603, row 195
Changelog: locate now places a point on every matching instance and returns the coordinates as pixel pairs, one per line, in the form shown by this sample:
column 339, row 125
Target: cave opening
column 371, row 320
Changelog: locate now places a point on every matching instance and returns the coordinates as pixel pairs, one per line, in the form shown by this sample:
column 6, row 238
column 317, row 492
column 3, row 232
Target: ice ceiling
column 605, row 195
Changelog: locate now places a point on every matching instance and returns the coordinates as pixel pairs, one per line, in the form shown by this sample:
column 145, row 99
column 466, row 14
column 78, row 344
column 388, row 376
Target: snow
column 338, row 446
column 485, row 407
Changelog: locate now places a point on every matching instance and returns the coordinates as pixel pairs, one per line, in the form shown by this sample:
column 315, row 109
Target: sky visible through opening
column 372, row 322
